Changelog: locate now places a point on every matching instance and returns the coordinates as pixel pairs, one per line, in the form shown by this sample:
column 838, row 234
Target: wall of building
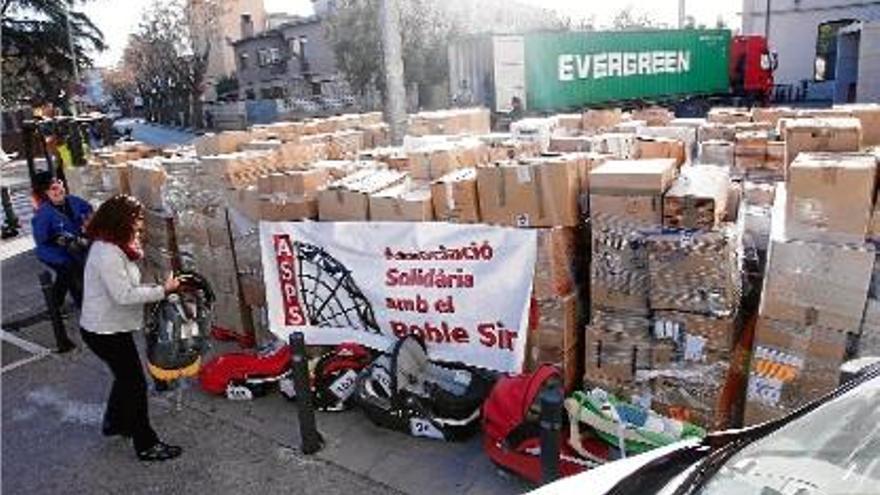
column 794, row 29
column 868, row 87
column 286, row 69
column 219, row 23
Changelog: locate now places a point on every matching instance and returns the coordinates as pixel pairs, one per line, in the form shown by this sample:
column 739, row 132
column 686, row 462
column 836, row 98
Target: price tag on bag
column 423, row 428
column 343, row 386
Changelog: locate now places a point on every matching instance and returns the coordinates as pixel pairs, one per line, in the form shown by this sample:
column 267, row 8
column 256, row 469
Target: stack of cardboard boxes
column 817, row 279
column 665, row 286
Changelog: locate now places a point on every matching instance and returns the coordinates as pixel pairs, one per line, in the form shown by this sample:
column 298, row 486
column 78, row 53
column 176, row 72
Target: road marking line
column 38, row 351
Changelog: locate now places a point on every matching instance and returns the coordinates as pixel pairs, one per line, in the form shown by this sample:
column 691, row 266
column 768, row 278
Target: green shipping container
column 572, row 70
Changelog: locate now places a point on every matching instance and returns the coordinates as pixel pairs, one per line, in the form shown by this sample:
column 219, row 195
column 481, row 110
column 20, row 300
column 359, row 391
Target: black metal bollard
column 62, row 341
column 308, row 430
column 11, row 224
column 551, row 427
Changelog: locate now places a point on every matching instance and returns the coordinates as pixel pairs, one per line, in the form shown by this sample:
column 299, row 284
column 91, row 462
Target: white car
column 829, row 446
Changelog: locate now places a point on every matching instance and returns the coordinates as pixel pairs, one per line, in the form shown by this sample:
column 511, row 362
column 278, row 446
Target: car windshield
column 833, row 450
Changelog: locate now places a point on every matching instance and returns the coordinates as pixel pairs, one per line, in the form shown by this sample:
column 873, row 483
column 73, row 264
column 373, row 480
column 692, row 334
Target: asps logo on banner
column 284, row 258
column 463, row 288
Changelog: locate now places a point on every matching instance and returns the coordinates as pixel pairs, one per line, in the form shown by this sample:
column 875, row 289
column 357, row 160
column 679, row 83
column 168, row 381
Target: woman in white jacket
column 113, row 302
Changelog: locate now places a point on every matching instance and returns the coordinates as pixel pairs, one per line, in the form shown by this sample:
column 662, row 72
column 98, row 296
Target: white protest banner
column 465, row 289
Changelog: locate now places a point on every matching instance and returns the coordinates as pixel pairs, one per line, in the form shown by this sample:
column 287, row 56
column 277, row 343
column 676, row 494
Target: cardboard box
column 653, row 116
column 291, row 209
column 759, row 194
column 830, row 197
column 117, row 179
column 147, row 183
column 618, row 345
column 729, row 115
column 812, row 283
column 619, row 145
column 454, row 197
column 711, row 332
column 714, row 152
column 253, row 291
column 792, row 364
column 655, row 147
column 618, row 269
column 433, row 163
column 776, row 158
column 697, row 198
column 570, row 144
column 348, row 199
column 570, row 122
column 697, row 272
column 751, row 150
column 633, row 176
column 716, row 132
column 558, row 262
column 555, row 335
column 600, row 120
column 771, row 115
column 869, row 116
column 834, row 134
column 294, row 182
column 626, row 211
column 541, row 193
column 402, row 203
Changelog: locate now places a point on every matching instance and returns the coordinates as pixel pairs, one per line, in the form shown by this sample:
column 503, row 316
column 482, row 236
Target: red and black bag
column 512, row 431
column 335, row 376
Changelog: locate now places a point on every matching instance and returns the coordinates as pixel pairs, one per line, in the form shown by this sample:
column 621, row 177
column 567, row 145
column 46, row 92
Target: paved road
column 155, row 135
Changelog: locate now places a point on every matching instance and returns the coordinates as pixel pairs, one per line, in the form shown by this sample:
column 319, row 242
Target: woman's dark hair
column 114, row 221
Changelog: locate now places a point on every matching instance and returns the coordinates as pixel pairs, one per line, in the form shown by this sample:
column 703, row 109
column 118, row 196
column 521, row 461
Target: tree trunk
column 395, row 92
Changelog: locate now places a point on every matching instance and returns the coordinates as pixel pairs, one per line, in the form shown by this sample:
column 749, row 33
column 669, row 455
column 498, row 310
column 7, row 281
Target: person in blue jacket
column 58, row 229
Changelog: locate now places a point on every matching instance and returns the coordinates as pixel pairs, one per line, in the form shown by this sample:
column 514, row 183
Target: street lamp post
column 71, row 47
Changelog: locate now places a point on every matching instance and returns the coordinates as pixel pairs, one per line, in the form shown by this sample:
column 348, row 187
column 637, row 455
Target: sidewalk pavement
column 51, row 443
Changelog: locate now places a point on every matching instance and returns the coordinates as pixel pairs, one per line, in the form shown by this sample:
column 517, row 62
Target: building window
column 826, row 49
column 242, row 61
column 274, row 55
column 262, row 57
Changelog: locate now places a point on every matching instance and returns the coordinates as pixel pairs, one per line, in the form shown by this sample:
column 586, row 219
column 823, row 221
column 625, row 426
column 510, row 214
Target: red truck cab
column 751, row 67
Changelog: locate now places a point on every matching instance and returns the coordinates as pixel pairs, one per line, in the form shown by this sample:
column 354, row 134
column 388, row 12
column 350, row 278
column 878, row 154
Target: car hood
column 600, row 480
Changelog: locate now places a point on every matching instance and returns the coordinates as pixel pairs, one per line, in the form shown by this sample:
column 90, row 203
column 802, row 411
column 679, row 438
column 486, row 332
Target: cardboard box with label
column 348, row 199
column 541, row 193
column 813, row 283
column 830, row 197
column 697, row 272
column 618, row 269
column 697, row 198
column 696, row 331
column 791, row 365
column 618, row 345
column 829, row 134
